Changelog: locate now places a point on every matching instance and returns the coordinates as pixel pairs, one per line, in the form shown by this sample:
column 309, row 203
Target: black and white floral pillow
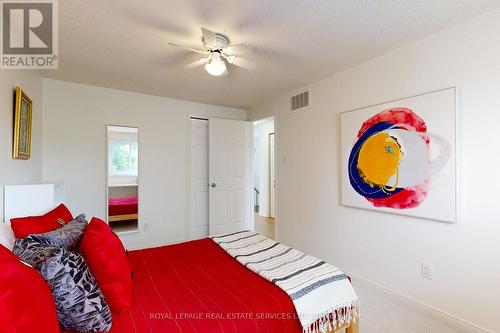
column 68, row 236
column 79, row 301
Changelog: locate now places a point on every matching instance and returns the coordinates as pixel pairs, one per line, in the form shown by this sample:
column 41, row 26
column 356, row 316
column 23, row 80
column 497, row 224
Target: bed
column 122, row 209
column 197, row 287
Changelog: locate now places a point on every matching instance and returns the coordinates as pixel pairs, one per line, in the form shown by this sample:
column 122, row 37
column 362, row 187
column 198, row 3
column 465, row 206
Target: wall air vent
column 300, row 101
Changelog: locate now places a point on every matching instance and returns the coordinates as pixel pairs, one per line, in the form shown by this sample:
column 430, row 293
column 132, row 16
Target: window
column 123, row 158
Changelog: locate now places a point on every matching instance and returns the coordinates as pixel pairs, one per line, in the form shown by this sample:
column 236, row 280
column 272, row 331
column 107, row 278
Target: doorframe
column 272, row 187
column 274, row 115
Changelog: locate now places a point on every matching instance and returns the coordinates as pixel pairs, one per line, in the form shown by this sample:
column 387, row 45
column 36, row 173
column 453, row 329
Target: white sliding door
column 198, row 227
column 230, row 196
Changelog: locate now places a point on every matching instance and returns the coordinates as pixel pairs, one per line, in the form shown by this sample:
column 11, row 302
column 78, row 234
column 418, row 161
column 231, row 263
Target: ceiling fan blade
column 237, row 49
column 187, row 48
column 197, row 63
column 209, row 38
column 240, row 62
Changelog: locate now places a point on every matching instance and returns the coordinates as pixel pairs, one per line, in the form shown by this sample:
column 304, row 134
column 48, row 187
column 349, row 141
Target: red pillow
column 26, row 304
column 107, row 260
column 24, row 226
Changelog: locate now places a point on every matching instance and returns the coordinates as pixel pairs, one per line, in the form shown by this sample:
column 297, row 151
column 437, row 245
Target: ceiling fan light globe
column 216, row 67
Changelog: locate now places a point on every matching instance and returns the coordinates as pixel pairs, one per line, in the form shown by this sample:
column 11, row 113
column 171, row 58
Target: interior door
column 272, row 179
column 198, row 227
column 230, row 196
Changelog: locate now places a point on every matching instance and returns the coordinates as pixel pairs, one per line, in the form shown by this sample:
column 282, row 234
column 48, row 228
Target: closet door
column 230, row 200
column 198, row 227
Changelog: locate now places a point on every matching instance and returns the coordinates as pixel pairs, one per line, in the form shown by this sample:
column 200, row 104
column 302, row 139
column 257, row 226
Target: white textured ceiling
column 122, row 44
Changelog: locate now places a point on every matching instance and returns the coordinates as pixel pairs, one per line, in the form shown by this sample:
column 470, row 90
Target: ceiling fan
column 217, row 51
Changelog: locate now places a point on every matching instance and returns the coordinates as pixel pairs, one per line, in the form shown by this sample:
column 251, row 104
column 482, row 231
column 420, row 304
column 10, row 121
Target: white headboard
column 26, row 200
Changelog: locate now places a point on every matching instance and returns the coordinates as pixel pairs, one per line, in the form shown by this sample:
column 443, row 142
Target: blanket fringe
column 333, row 318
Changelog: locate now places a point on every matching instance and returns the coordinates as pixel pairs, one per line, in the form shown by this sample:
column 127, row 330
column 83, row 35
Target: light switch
column 427, row 270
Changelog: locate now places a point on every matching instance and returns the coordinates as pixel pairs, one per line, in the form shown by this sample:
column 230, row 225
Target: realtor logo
column 29, row 35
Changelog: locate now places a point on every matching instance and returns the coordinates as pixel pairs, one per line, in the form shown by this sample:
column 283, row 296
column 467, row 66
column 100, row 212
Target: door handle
column 213, row 185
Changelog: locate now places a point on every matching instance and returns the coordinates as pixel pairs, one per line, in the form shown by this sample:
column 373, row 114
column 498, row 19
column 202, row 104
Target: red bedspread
column 196, row 287
column 122, row 206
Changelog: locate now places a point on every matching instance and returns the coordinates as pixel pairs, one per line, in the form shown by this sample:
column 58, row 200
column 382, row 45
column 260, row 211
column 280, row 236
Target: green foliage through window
column 123, row 158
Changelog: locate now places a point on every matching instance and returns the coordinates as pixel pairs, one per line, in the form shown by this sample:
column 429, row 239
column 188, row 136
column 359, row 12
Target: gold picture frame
column 23, row 108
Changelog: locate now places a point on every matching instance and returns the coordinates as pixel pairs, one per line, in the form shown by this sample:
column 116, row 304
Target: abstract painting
column 399, row 157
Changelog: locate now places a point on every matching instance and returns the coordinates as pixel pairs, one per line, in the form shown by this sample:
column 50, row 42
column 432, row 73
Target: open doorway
column 264, row 177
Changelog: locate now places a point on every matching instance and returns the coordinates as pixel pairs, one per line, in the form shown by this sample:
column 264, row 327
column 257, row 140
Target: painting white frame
column 430, row 207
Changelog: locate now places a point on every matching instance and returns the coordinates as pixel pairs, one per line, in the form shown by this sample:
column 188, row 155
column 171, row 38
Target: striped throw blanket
column 323, row 296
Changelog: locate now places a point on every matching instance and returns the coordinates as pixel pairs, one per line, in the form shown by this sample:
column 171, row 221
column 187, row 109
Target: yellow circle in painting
column 379, row 159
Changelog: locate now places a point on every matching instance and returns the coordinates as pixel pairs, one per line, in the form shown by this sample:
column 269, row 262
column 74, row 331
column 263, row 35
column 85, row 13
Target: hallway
column 264, row 225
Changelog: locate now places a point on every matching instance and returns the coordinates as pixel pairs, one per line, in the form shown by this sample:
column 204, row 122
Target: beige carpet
column 385, row 312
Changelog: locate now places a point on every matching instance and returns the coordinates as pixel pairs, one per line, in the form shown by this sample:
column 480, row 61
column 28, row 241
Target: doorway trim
column 277, row 160
column 272, row 182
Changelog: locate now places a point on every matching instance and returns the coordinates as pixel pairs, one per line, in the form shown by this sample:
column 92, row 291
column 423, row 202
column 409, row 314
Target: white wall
column 385, row 248
column 75, row 119
column 262, row 129
column 19, row 171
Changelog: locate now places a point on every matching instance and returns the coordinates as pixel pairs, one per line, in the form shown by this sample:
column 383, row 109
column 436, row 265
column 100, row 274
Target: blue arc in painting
column 358, row 184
